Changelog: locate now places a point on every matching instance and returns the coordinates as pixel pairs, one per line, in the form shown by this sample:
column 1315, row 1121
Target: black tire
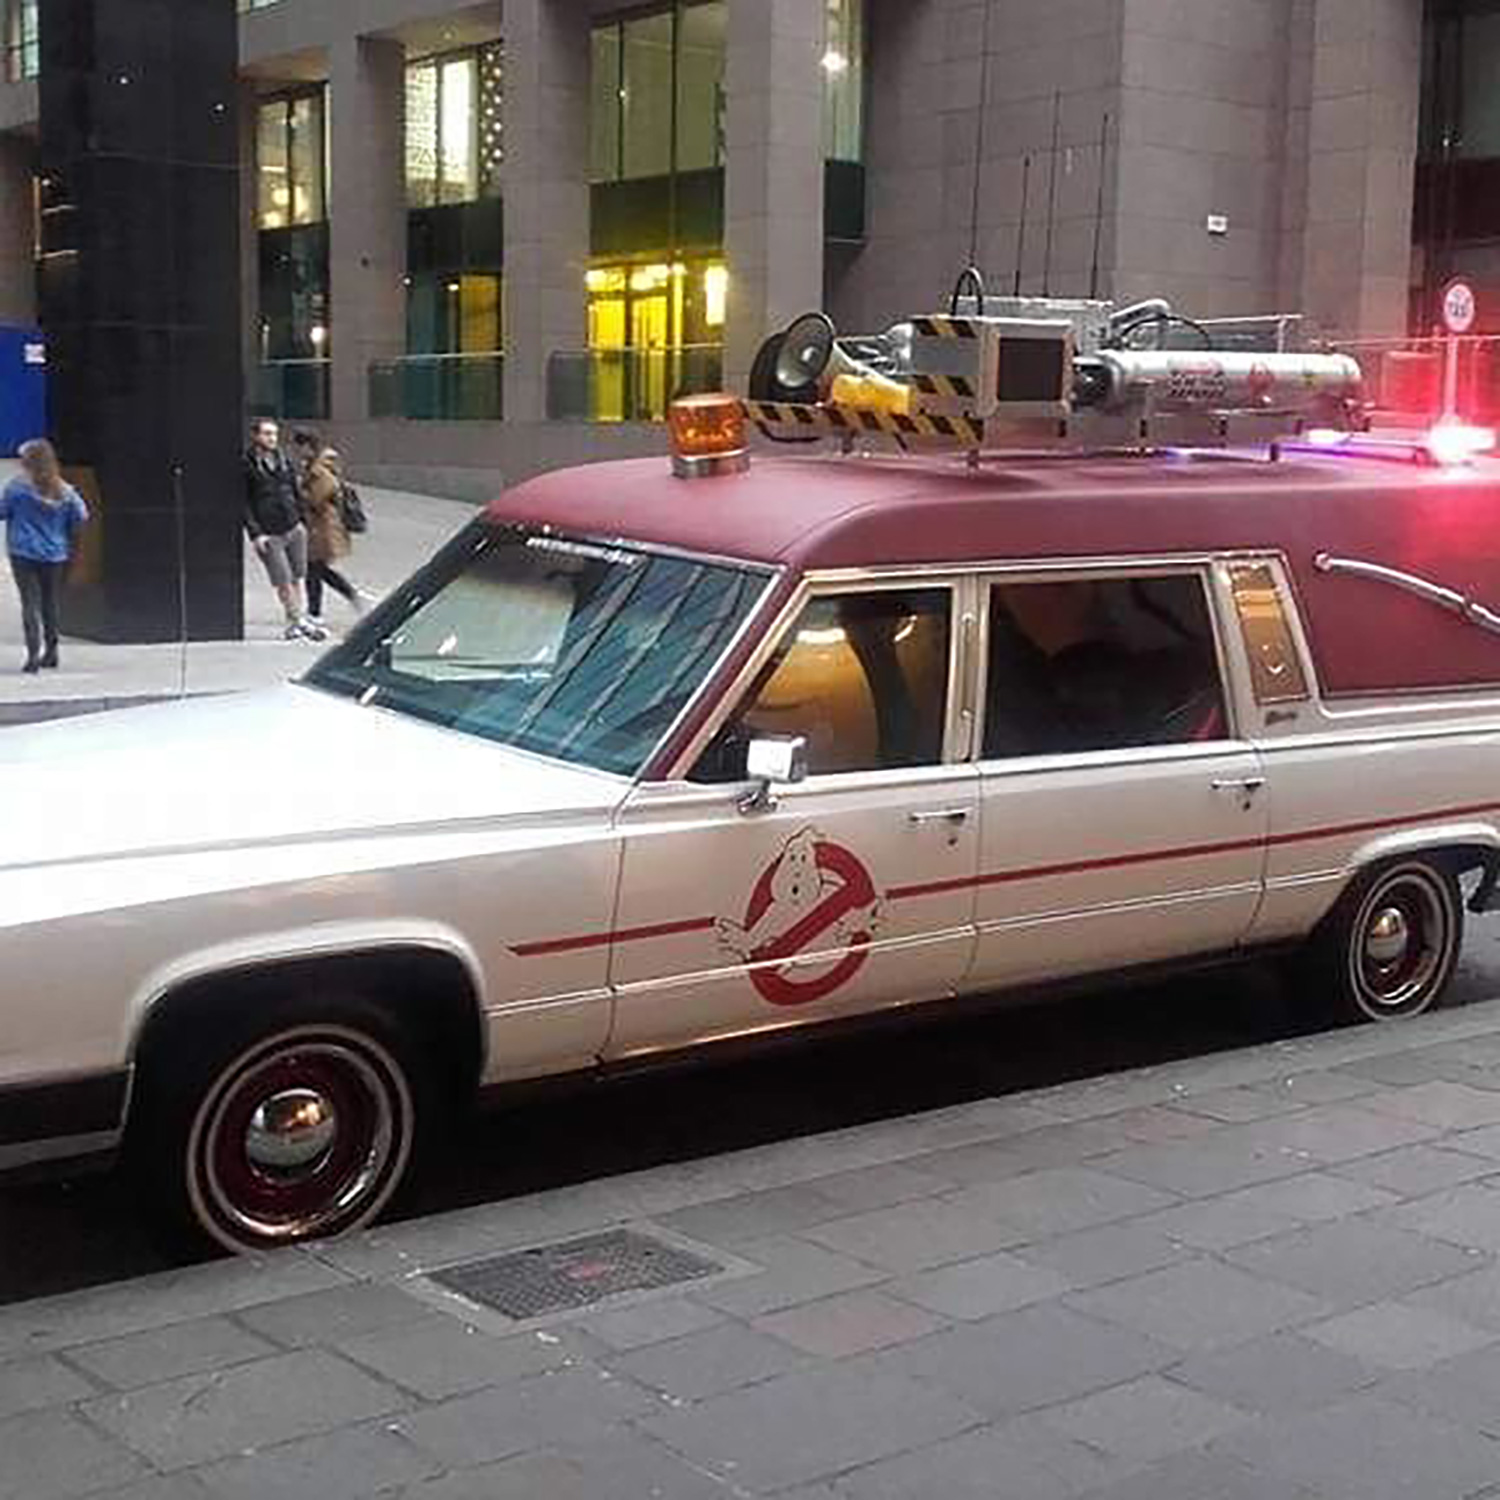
column 1388, row 949
column 276, row 1125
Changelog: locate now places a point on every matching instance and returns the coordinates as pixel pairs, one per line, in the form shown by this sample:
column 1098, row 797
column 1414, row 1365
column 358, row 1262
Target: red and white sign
column 1459, row 308
column 815, row 897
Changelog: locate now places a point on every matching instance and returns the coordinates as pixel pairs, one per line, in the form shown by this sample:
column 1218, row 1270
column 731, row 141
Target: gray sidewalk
column 404, row 530
column 1264, row 1275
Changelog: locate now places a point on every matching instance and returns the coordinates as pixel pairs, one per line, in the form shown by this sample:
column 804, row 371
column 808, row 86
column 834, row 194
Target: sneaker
column 293, row 631
column 50, row 660
column 312, row 630
column 32, row 668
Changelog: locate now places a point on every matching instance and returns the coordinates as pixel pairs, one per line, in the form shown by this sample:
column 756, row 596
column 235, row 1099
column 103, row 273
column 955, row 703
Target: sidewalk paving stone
column 851, row 1323
column 1353, row 1261
column 792, row 1271
column 573, row 1405
column 346, row 1465
column 442, row 1356
column 1145, row 1419
column 1201, row 1305
column 1024, row 1361
column 1239, row 1106
column 1112, row 1252
column 209, row 1416
column 1019, row 1461
column 710, row 1363
column 1398, row 1337
column 1447, row 1105
column 915, row 1236
column 1464, row 1389
column 1416, row 1171
column 322, row 1317
column 973, row 1289
column 753, row 1216
column 653, row 1321
column 1281, row 1374
column 1465, row 1215
column 1473, row 1298
column 159, row 1487
column 32, row 1384
column 1311, row 1197
column 1368, row 1449
column 46, row 1454
column 811, row 1426
column 163, row 1354
column 1201, row 1476
column 1057, row 1200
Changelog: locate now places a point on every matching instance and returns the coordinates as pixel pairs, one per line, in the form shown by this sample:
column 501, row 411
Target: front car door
column 1124, row 818
column 854, row 889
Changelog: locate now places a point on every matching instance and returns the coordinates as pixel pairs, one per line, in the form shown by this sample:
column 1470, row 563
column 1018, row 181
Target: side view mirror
column 771, row 763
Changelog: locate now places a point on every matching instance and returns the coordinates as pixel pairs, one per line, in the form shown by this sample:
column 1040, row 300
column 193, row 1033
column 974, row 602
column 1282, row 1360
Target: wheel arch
column 1458, row 847
column 430, row 984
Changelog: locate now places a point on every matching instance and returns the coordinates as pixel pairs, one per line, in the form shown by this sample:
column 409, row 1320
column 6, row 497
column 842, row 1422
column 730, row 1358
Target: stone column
column 773, row 189
column 17, row 230
column 1365, row 92
column 367, row 215
column 545, row 180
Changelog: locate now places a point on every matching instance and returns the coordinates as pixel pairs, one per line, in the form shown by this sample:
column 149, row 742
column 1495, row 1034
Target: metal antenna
column 1099, row 208
column 984, row 81
column 1021, row 227
column 1052, row 194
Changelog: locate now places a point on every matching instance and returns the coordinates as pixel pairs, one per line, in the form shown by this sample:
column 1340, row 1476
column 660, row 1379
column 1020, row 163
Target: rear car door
column 1124, row 819
column 854, row 890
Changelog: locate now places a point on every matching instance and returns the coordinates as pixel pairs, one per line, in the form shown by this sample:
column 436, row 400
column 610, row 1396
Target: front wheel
column 278, row 1133
column 1389, row 948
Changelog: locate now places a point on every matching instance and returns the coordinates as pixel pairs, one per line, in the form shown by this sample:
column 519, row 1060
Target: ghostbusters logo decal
column 814, row 898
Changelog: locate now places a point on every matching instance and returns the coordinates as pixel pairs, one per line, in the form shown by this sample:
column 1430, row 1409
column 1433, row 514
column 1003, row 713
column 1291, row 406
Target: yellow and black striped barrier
column 780, row 418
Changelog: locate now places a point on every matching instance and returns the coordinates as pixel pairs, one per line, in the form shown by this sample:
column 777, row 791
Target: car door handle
column 939, row 815
column 1249, row 785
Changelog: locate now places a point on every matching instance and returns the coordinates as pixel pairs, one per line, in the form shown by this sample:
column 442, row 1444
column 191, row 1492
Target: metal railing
column 628, row 385
column 439, row 388
column 1404, row 378
column 292, row 388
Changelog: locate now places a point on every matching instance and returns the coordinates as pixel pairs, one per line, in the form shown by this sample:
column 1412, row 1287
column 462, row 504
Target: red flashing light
column 1455, row 442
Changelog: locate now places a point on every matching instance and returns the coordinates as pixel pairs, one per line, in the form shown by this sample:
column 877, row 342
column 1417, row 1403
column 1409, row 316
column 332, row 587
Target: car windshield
column 573, row 649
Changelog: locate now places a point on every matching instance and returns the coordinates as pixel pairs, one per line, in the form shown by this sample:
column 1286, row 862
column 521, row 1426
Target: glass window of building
column 23, row 44
column 453, row 127
column 291, row 160
column 657, row 92
column 844, row 81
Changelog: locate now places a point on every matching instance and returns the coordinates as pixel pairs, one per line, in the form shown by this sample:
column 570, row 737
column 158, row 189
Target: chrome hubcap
column 1388, row 937
column 291, row 1131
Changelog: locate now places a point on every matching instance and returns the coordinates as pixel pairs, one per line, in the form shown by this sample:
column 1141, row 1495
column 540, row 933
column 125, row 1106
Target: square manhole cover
column 573, row 1273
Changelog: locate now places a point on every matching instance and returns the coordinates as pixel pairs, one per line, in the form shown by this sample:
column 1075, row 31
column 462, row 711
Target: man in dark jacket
column 273, row 520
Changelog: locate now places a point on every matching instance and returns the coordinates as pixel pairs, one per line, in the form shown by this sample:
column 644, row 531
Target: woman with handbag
column 42, row 514
column 330, row 506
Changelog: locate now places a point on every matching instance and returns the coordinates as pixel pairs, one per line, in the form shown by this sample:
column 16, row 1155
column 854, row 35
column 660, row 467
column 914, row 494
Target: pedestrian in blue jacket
column 42, row 514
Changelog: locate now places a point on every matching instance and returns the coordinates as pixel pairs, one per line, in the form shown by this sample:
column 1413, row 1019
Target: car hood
column 285, row 764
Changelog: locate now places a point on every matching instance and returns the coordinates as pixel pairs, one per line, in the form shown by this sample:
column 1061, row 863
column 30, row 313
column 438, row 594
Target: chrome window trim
column 1200, row 565
column 818, row 585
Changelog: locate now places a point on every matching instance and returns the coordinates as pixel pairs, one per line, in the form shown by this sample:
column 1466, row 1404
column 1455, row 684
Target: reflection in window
column 863, row 677
column 569, row 649
column 1100, row 664
column 291, row 156
column 23, row 40
column 844, row 81
column 1275, row 672
column 645, row 69
column 453, row 127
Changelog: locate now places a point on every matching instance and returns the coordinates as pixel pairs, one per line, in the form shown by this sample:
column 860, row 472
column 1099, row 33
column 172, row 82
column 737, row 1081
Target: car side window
column 862, row 676
column 1085, row 664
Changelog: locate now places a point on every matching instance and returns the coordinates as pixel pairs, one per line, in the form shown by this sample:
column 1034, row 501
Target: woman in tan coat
column 327, row 535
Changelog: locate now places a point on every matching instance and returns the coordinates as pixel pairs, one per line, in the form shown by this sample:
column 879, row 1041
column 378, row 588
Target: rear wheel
column 275, row 1131
column 1389, row 948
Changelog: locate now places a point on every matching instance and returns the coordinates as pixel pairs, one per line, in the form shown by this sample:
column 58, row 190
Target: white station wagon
column 640, row 764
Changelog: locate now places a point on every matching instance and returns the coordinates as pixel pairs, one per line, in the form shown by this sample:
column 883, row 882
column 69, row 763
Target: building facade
column 483, row 239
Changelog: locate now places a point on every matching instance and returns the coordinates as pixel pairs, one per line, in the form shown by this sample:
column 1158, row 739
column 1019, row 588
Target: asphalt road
column 61, row 1236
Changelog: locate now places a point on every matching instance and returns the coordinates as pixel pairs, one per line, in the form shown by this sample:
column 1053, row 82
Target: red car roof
column 830, row 511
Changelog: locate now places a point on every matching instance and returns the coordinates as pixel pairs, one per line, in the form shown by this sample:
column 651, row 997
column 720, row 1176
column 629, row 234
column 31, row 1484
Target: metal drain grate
column 573, row 1273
